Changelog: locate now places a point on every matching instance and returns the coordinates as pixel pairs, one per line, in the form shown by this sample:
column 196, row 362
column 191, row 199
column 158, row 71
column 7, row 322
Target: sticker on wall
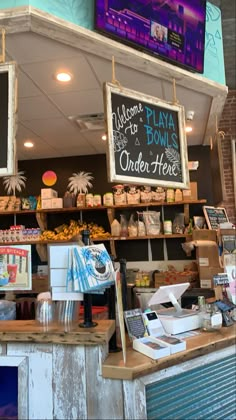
column 49, row 178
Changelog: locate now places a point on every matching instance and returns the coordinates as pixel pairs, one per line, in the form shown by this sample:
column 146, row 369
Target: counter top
column 32, row 331
column 137, row 364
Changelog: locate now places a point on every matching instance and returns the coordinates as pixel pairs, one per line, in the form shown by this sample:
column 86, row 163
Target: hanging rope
column 114, row 80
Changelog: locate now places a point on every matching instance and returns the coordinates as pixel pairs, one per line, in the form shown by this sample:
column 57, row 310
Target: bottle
column 167, row 227
column 123, row 226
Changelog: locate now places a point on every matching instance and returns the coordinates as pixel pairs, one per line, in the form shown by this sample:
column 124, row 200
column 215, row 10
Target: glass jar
column 211, row 317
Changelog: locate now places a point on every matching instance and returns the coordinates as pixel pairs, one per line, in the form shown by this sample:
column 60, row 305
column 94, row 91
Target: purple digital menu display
column 173, row 29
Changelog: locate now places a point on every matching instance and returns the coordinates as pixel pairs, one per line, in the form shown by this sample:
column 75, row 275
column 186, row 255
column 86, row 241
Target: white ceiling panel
column 26, row 88
column 94, row 139
column 80, row 103
column 37, row 107
column 54, row 128
column 43, row 74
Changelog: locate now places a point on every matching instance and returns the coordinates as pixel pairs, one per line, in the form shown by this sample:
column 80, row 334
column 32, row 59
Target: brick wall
column 228, row 126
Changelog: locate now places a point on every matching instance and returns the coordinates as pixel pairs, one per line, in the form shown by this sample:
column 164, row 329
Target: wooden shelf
column 135, row 238
column 101, row 239
column 78, row 209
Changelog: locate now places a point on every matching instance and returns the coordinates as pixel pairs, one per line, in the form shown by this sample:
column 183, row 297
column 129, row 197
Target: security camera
column 189, row 115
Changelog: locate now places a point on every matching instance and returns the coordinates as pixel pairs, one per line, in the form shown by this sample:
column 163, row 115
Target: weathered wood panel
column 40, row 377
column 69, row 386
column 23, row 397
column 3, row 349
column 104, row 396
column 134, row 400
column 32, row 331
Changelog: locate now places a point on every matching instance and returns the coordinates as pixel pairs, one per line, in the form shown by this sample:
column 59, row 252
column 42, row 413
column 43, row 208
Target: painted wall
column 81, row 13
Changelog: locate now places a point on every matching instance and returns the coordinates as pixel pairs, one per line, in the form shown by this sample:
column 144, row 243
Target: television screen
column 173, row 29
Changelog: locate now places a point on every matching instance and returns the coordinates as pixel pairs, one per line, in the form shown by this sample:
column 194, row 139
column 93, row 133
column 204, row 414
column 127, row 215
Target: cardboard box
column 46, row 203
column 48, row 193
column 59, row 293
column 166, row 278
column 58, row 255
column 207, row 254
column 39, row 284
column 206, row 276
column 57, row 203
column 204, row 235
column 192, row 193
column 151, row 347
column 58, row 277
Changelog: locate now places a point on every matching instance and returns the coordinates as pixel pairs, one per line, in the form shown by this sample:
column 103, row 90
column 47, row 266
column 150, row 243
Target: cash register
column 175, row 320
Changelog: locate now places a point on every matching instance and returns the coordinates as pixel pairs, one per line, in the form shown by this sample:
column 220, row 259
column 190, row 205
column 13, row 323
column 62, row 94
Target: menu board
column 146, row 139
column 7, row 118
column 214, row 216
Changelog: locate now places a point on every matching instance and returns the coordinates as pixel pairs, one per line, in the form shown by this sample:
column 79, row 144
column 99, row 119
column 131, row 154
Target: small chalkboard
column 214, row 216
column 146, row 139
column 7, row 118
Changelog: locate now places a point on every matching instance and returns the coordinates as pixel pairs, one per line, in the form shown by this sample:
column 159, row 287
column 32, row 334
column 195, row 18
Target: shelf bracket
column 42, row 220
column 186, row 214
column 42, row 252
column 110, row 215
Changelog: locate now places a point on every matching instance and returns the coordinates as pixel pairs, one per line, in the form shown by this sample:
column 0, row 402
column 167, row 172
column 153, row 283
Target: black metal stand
column 88, row 322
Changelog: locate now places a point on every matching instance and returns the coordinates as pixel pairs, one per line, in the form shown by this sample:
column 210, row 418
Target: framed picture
column 146, row 139
column 15, row 267
column 8, row 106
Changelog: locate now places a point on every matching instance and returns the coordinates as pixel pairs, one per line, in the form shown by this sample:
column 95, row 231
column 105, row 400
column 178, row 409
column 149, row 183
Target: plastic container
column 7, row 310
column 108, row 199
column 167, row 227
column 97, row 200
column 89, row 200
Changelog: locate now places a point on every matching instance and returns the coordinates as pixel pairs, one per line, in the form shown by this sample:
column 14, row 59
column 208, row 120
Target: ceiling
column 48, row 112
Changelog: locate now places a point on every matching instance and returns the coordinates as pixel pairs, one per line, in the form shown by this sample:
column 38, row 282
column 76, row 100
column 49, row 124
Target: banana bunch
column 65, row 232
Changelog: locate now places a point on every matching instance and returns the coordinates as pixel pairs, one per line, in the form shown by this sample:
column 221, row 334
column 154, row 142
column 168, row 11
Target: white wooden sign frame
column 110, row 88
column 22, row 368
column 10, row 68
column 214, row 208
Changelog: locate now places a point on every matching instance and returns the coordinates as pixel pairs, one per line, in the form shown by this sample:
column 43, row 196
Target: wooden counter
column 138, row 364
column 34, row 332
column 73, row 376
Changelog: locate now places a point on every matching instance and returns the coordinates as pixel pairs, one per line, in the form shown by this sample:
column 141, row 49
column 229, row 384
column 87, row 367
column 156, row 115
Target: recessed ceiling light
column 104, row 137
column 28, row 144
column 188, row 129
column 63, row 77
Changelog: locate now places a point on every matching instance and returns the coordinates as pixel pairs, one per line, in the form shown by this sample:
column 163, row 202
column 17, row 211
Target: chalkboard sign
column 214, row 216
column 7, row 118
column 146, row 139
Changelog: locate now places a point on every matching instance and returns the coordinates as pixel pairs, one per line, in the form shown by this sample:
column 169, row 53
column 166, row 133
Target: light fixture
column 28, row 144
column 63, row 77
column 104, row 137
column 188, row 129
